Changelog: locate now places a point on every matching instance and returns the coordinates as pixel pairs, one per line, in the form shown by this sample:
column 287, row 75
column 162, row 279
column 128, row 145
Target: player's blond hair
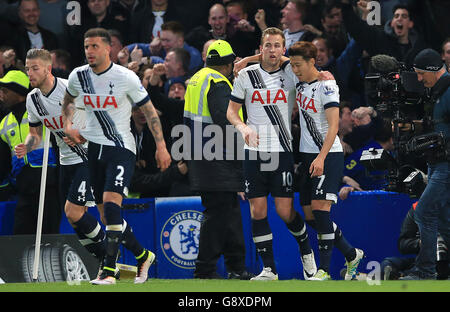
column 41, row 54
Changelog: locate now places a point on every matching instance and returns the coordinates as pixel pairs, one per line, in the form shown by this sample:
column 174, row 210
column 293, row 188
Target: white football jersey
column 108, row 98
column 312, row 101
column 269, row 99
column 46, row 110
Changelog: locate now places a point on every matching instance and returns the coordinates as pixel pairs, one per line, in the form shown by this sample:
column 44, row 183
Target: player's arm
column 162, row 156
column 68, row 110
column 32, row 141
column 249, row 135
column 332, row 115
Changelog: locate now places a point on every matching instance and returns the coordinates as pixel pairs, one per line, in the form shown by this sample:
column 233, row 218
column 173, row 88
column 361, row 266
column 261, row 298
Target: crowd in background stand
column 164, row 42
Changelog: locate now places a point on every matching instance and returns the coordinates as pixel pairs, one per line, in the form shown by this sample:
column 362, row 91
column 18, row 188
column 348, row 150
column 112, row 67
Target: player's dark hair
column 305, row 49
column 98, row 32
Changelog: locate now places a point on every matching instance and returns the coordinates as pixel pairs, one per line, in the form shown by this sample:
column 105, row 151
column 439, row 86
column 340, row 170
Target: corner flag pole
column 37, row 246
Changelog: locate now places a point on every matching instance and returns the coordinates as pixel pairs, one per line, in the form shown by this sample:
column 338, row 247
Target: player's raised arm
column 162, row 156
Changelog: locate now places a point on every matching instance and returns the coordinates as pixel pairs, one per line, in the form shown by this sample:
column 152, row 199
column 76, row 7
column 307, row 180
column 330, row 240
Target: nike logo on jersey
column 305, row 103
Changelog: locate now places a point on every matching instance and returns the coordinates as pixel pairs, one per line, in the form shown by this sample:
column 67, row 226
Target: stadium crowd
column 165, row 42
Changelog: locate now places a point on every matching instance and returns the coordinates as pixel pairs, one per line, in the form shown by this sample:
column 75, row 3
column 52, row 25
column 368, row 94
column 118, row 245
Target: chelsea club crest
column 180, row 238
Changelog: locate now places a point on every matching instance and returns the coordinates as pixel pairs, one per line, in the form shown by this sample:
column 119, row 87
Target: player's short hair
column 99, row 32
column 305, row 49
column 41, row 54
column 272, row 31
column 173, row 26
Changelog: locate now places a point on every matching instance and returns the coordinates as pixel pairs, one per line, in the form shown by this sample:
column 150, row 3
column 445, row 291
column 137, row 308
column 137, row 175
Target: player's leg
column 119, row 170
column 325, row 236
column 256, row 189
column 75, row 188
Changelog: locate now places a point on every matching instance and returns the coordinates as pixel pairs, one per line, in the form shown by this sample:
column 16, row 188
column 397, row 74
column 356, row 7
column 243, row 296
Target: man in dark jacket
column 398, row 38
column 29, row 33
column 218, row 180
column 409, row 244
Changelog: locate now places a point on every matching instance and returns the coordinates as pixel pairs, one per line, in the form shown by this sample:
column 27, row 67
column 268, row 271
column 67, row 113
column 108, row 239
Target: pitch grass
column 191, row 285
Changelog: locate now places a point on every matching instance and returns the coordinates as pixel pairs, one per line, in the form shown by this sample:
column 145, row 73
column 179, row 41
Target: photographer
column 433, row 209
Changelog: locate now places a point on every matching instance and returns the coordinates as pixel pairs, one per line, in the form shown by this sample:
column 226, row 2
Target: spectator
column 398, row 38
column 126, row 9
column 446, row 53
column 356, row 176
column 148, row 180
column 205, row 49
column 53, row 16
column 292, row 18
column 243, row 43
column 29, row 34
column 97, row 15
column 60, row 63
column 146, row 24
column 344, row 68
column 116, row 45
column 172, row 36
column 345, row 124
column 366, row 123
column 409, row 243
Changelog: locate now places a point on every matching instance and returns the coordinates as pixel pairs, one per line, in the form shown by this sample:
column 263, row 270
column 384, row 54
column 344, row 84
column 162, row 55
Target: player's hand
column 316, row 168
column 74, row 136
column 163, row 159
column 250, row 137
column 325, row 75
column 238, row 65
column 20, row 150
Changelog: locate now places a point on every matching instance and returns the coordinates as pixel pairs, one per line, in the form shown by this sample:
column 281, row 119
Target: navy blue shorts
column 110, row 169
column 324, row 187
column 268, row 172
column 74, row 184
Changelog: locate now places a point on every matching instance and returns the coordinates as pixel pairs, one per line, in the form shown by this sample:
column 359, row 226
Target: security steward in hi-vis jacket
column 25, row 173
column 217, row 179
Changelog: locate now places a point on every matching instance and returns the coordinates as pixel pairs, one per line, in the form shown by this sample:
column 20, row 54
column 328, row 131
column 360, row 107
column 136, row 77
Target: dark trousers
column 26, row 211
column 221, row 233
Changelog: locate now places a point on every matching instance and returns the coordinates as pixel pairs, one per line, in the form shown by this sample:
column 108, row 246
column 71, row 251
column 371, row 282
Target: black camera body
column 397, row 95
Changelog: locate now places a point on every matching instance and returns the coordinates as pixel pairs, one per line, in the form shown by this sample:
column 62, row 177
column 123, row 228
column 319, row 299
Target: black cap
column 428, row 60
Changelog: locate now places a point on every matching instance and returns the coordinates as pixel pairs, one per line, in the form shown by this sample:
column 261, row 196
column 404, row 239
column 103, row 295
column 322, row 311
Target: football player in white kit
column 108, row 91
column 317, row 100
column 321, row 155
column 44, row 109
column 269, row 96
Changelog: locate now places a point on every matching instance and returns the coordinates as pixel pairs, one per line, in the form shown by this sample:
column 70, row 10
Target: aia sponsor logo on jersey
column 54, row 123
column 99, row 101
column 275, row 96
column 305, row 103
